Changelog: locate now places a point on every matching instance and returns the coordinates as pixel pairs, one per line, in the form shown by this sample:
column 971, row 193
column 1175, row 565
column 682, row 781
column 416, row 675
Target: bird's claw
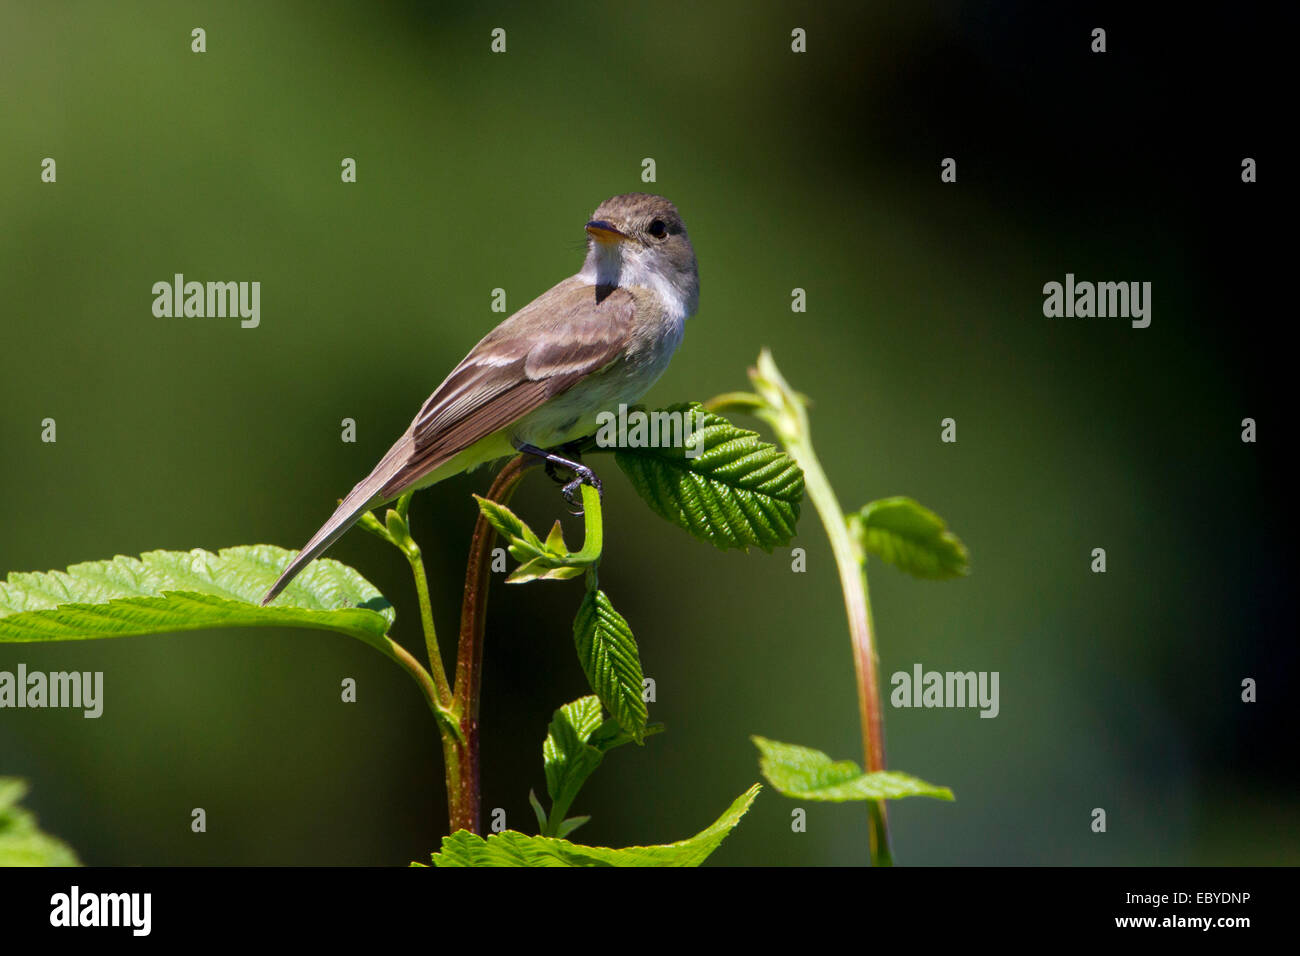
column 572, row 487
column 572, row 490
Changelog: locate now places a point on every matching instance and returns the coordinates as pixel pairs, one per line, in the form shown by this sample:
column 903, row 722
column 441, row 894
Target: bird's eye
column 658, row 229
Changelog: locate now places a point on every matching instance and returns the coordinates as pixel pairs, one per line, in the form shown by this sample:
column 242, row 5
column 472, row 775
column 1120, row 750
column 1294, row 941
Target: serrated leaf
column 508, row 524
column 739, row 491
column 164, row 592
column 911, row 537
column 610, row 659
column 22, row 843
column 511, row 848
column 809, row 774
column 566, row 755
column 576, row 743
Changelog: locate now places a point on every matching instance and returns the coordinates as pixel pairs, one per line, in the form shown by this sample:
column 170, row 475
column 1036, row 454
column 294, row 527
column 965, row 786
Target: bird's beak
column 604, row 232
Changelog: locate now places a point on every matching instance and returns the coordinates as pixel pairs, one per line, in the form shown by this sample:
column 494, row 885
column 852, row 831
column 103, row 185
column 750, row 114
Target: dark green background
column 818, row 171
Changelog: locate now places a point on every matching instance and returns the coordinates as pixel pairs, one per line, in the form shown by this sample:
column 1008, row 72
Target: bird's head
column 638, row 239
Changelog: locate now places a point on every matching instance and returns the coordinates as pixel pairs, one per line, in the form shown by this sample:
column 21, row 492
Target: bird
column 537, row 382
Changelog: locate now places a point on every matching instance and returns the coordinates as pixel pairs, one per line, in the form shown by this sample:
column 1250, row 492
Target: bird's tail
column 401, row 468
column 364, row 496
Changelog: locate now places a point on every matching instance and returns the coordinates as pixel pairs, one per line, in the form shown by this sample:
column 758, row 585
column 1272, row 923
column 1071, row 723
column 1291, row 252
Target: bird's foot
column 573, row 490
column 572, row 487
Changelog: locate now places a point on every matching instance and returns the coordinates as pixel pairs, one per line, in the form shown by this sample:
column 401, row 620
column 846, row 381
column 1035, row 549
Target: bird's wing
column 544, row 349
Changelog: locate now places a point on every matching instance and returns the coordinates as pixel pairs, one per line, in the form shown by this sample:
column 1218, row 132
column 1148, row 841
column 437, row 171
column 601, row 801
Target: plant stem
column 446, row 719
column 397, row 529
column 462, row 759
column 785, row 410
column 857, row 605
column 436, row 669
column 593, row 533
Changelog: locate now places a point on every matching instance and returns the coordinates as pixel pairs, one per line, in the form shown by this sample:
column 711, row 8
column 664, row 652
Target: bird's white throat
column 624, row 264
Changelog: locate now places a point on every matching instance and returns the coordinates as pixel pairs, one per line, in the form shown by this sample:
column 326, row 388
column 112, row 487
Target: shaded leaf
column 571, row 824
column 538, row 811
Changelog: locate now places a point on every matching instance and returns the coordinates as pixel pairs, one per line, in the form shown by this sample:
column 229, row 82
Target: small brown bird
column 538, row 380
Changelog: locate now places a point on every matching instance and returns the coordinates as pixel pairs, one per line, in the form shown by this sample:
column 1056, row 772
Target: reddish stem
column 462, row 760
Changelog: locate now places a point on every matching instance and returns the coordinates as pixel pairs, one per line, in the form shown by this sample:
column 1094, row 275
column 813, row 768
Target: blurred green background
column 818, row 171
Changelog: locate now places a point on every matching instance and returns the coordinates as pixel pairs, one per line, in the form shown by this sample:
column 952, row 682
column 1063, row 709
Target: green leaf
column 571, row 824
column 555, row 540
column 21, row 842
column 611, row 735
column 778, row 404
column 163, row 592
column 567, row 757
column 811, row 775
column 609, row 658
column 739, row 491
column 511, row 848
column 910, row 537
column 538, row 560
column 577, row 741
column 544, row 569
column 538, row 811
column 509, row 525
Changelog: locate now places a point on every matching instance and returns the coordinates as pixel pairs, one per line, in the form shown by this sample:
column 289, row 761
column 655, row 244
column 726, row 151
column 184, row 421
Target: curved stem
column 462, row 760
column 436, row 668
column 785, row 410
column 730, row 402
column 446, row 719
column 593, row 524
column 857, row 606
